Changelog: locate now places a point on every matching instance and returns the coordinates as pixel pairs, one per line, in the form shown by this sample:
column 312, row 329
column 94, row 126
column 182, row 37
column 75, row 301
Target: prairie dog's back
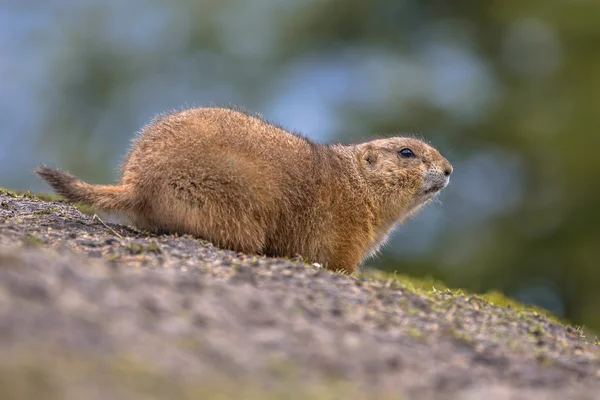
column 197, row 130
column 205, row 136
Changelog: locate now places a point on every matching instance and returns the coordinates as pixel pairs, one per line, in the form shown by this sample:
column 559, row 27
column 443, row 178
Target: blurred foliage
column 509, row 90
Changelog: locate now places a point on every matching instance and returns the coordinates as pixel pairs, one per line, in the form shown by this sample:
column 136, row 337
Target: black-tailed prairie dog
column 249, row 186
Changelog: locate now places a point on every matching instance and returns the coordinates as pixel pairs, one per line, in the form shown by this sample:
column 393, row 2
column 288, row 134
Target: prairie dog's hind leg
column 228, row 214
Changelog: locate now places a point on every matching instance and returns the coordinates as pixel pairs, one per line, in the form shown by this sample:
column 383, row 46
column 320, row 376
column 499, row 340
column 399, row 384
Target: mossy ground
column 426, row 286
column 55, row 377
column 98, row 310
column 49, row 197
column 433, row 288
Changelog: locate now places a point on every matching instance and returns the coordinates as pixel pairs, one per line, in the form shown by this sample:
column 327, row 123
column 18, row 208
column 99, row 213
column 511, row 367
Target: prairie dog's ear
column 367, row 155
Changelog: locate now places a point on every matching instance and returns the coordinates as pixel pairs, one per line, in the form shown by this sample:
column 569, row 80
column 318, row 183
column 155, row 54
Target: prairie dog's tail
column 104, row 197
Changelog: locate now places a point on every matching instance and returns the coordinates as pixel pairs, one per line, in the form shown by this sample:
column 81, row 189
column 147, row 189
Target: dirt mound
column 95, row 310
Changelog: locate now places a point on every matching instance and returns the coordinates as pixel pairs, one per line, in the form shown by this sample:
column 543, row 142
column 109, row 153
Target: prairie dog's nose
column 447, row 168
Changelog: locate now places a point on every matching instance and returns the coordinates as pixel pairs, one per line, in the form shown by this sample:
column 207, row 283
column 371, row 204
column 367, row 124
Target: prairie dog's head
column 404, row 172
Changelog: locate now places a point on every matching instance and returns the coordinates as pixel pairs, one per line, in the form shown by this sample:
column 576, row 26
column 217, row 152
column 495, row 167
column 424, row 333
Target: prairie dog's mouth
column 434, row 188
column 433, row 183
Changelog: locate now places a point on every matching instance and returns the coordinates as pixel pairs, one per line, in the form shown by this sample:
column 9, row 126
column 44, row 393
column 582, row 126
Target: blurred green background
column 508, row 90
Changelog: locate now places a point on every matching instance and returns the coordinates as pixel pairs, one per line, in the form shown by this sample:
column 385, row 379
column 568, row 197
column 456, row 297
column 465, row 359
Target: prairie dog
column 249, row 186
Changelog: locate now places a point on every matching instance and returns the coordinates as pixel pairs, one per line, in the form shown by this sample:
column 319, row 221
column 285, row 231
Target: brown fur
column 249, row 186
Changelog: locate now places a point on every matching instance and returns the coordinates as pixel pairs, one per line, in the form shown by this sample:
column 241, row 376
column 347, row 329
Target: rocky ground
column 92, row 310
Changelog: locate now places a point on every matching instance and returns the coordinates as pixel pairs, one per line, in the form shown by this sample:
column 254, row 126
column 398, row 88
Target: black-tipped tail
column 104, row 197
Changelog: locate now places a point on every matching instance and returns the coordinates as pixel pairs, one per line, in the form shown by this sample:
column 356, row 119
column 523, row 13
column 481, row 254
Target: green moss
column 461, row 335
column 415, row 333
column 153, row 247
column 48, row 210
column 7, row 192
column 30, row 195
column 17, row 193
column 85, row 209
column 56, row 376
column 545, row 360
column 48, row 196
column 113, row 257
column 433, row 288
column 498, row 299
column 135, row 248
column 425, row 286
column 32, row 240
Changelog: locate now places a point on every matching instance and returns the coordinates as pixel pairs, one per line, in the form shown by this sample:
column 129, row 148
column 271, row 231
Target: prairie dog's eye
column 406, row 153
